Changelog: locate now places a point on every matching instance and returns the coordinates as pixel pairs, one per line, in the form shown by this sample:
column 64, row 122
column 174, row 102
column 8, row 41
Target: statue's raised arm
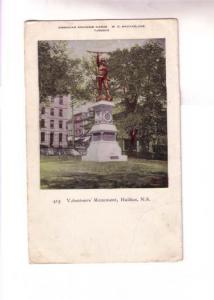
column 98, row 59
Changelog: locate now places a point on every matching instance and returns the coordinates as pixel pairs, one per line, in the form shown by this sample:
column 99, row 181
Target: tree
column 89, row 70
column 138, row 79
column 58, row 72
column 138, row 73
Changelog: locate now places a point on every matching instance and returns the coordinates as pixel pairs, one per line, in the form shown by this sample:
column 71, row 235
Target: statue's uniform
column 102, row 78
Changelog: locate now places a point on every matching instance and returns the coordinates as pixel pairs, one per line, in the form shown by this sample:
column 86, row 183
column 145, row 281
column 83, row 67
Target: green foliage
column 58, row 73
column 138, row 74
column 89, row 70
column 138, row 81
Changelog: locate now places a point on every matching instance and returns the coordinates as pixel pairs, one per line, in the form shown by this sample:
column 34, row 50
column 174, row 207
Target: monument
column 103, row 145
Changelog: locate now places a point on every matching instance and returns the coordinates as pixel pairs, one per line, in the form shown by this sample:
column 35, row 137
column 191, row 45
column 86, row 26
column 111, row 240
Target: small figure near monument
column 133, row 135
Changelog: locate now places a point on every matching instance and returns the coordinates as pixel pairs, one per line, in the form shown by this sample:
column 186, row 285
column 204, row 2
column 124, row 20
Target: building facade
column 79, row 127
column 54, row 116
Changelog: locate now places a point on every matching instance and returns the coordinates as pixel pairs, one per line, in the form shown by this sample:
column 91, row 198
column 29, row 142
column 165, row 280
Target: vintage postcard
column 103, row 141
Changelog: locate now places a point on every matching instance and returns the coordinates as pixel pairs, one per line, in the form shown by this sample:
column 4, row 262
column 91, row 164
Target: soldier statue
column 102, row 78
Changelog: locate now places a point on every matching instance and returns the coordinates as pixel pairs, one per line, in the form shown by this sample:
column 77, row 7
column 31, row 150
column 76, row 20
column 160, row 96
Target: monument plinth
column 103, row 146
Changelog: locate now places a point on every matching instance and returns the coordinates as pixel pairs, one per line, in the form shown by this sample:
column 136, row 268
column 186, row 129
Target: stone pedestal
column 104, row 146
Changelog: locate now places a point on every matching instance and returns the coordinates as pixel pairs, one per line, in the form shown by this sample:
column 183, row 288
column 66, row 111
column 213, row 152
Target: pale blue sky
column 79, row 48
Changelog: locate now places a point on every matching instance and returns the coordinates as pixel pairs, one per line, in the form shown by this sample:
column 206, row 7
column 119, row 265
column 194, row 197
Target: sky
column 80, row 47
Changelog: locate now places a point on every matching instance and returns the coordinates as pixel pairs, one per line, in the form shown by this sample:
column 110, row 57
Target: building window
column 52, row 111
column 42, row 137
column 60, row 124
column 52, row 99
column 91, row 113
column 42, row 123
column 43, row 110
column 51, row 139
column 51, row 123
column 60, row 137
column 60, row 113
column 61, row 100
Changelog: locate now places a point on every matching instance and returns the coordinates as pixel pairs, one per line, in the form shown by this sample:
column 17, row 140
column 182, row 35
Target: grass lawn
column 72, row 173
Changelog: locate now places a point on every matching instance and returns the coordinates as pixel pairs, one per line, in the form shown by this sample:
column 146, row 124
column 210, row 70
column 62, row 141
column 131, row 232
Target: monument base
column 103, row 146
column 104, row 151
